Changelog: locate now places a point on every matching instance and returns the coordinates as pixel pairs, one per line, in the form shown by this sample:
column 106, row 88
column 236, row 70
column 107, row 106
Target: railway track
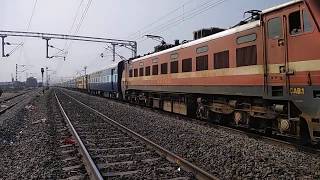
column 10, row 102
column 277, row 140
column 113, row 151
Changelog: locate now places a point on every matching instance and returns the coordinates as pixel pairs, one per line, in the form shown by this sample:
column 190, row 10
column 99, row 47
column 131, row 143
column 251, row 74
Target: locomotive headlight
column 284, row 125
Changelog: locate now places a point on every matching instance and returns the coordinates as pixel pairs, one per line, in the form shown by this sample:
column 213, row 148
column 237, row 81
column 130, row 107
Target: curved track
column 113, row 151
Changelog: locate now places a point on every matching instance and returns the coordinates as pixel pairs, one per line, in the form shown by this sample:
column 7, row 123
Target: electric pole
column 114, row 52
column 16, row 73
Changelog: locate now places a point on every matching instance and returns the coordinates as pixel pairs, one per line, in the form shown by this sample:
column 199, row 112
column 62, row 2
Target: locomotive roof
column 281, row 6
column 205, row 39
column 220, row 34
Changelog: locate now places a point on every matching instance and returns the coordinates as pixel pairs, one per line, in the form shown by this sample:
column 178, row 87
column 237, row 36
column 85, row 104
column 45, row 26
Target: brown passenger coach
column 262, row 74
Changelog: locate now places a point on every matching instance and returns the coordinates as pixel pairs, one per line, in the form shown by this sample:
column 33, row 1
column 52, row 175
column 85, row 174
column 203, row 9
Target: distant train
column 262, row 74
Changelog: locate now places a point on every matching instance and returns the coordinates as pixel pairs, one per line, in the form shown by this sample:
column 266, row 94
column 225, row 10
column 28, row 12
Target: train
column 263, row 74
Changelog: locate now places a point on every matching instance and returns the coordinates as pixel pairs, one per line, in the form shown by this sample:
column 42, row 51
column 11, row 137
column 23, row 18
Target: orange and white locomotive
column 263, row 74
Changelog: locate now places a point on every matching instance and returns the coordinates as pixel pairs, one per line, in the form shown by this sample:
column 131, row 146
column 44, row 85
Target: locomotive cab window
column 307, row 23
column 174, row 67
column 164, row 68
column 275, row 28
column 187, row 65
column 202, row 63
column 155, row 70
column 295, row 26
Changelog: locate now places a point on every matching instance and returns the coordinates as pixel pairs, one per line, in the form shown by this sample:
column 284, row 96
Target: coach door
column 276, row 54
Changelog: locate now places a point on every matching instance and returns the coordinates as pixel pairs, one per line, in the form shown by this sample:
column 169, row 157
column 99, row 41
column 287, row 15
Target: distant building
column 31, row 82
column 6, row 85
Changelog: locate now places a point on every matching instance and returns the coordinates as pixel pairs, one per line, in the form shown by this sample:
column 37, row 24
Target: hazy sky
column 124, row 19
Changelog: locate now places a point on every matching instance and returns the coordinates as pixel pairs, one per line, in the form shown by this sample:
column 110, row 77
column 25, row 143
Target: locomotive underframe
column 269, row 116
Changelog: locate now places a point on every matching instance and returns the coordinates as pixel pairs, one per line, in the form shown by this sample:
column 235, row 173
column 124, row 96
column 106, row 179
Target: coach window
column 164, row 68
column 174, row 67
column 155, row 60
column 174, row 56
column 307, row 25
column 155, row 70
column 247, row 56
column 187, row 65
column 202, row 63
column 141, row 72
column 135, row 72
column 295, row 23
column 147, row 71
column 115, row 78
column 274, row 28
column 202, row 49
column 247, row 38
column 130, row 73
column 221, row 60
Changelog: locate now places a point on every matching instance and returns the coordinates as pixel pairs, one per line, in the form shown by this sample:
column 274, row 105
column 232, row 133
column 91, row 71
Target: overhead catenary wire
column 166, row 28
column 28, row 27
column 74, row 21
column 67, row 46
column 181, row 16
column 158, row 19
column 32, row 14
column 186, row 16
column 84, row 14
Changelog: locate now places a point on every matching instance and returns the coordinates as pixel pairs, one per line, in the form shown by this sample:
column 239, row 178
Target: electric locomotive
column 263, row 74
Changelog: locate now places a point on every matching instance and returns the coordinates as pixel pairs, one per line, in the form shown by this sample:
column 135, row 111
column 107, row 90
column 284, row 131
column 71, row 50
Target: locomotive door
column 276, row 54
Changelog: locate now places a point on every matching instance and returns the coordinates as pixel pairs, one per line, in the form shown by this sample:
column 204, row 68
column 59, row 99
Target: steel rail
column 2, row 111
column 7, row 108
column 91, row 167
column 184, row 164
column 14, row 96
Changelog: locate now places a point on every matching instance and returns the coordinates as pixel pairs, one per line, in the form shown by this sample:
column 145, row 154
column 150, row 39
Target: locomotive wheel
column 240, row 118
column 217, row 118
column 202, row 113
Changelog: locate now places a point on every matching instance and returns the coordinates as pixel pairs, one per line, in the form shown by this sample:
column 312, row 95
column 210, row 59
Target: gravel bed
column 85, row 123
column 225, row 154
column 28, row 145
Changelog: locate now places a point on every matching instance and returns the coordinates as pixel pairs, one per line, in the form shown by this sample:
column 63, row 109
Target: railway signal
column 42, row 71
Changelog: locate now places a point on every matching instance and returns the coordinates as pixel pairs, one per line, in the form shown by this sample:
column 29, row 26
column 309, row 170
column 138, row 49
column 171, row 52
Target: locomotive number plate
column 297, row 91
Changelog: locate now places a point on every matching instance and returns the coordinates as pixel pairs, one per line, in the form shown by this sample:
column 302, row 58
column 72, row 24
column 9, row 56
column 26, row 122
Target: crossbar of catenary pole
column 60, row 36
column 48, row 36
